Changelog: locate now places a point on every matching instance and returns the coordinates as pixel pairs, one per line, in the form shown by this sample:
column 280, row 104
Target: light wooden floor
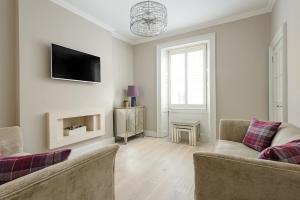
column 155, row 169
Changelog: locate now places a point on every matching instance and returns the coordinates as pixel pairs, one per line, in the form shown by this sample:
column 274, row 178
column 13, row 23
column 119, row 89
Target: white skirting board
column 203, row 136
column 149, row 133
column 87, row 148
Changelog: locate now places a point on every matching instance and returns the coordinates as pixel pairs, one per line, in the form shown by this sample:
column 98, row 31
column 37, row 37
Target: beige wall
column 241, row 69
column 289, row 11
column 123, row 69
column 294, row 62
column 42, row 23
column 241, row 55
column 8, row 30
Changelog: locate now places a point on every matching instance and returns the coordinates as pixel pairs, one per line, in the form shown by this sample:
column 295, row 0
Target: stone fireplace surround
column 58, row 121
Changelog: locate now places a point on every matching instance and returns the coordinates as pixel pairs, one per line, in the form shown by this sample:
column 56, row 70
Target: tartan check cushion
column 17, row 166
column 260, row 134
column 289, row 152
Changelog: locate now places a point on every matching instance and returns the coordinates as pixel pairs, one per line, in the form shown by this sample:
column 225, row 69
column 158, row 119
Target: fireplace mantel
column 57, row 122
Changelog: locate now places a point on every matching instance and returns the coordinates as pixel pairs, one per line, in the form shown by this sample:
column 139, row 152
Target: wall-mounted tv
column 69, row 64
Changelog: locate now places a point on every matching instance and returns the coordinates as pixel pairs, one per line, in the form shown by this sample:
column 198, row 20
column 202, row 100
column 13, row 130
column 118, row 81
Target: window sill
column 189, row 110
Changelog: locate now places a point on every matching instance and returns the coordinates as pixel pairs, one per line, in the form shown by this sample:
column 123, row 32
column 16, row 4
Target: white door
column 278, row 79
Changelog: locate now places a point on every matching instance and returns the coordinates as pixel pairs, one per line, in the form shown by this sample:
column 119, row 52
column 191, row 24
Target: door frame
column 280, row 35
column 210, row 39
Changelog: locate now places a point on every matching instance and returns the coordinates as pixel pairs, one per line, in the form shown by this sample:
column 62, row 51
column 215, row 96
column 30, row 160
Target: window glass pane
column 177, row 79
column 195, row 70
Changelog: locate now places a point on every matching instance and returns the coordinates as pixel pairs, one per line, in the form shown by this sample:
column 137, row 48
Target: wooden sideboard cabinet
column 128, row 122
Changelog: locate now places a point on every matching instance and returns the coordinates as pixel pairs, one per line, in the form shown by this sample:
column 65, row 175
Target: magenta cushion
column 14, row 167
column 289, row 152
column 260, row 134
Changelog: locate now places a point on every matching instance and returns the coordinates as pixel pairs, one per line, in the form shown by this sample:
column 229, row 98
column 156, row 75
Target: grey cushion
column 285, row 135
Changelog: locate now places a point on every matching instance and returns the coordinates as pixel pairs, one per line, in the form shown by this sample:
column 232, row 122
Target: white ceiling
column 113, row 15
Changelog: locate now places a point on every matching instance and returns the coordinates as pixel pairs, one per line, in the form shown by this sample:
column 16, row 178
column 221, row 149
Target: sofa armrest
column 10, row 140
column 222, row 177
column 233, row 130
column 90, row 176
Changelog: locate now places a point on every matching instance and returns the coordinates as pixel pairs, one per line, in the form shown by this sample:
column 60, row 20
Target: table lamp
column 133, row 92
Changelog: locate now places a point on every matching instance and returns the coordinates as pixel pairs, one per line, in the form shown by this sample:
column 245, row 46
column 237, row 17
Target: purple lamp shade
column 133, row 91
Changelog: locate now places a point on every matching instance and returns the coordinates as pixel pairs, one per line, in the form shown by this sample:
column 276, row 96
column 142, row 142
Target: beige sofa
column 233, row 172
column 87, row 177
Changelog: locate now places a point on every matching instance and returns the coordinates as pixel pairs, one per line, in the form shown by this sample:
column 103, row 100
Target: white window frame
column 186, row 50
column 161, row 55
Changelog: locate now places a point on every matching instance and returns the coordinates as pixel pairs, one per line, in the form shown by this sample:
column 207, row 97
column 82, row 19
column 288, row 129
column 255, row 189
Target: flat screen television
column 69, row 64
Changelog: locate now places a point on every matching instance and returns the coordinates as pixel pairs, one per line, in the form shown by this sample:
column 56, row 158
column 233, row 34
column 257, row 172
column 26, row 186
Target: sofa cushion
column 260, row 134
column 13, row 167
column 235, row 149
column 285, row 134
column 289, row 152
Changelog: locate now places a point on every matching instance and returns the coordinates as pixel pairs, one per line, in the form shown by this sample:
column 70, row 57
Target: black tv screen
column 70, row 64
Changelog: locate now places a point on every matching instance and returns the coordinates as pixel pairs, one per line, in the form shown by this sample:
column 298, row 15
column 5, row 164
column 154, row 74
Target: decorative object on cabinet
column 126, row 102
column 133, row 92
column 128, row 122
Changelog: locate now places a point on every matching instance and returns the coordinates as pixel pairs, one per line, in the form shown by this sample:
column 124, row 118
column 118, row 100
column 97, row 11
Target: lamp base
column 133, row 101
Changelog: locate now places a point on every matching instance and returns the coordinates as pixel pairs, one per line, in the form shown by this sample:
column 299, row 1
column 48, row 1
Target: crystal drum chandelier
column 148, row 18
